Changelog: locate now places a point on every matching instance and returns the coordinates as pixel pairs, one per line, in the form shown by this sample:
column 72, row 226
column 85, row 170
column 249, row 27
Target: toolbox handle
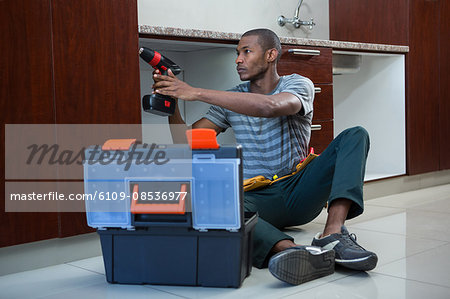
column 158, row 208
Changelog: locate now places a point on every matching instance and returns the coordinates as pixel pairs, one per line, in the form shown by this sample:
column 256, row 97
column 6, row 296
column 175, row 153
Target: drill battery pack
column 158, row 104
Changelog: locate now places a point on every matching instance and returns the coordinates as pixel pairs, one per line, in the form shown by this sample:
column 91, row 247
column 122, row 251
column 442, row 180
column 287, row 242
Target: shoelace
column 350, row 240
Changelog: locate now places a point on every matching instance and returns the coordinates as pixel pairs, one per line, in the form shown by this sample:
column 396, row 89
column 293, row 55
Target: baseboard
column 46, row 253
column 400, row 184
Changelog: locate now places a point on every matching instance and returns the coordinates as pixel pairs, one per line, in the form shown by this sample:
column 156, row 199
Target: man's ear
column 271, row 55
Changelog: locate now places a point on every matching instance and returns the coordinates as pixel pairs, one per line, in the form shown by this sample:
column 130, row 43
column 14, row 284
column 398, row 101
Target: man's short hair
column 266, row 38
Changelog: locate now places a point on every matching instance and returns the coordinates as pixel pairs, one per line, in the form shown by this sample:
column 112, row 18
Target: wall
column 236, row 16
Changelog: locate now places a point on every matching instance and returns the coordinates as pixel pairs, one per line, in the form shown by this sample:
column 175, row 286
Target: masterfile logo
column 57, row 152
column 53, row 154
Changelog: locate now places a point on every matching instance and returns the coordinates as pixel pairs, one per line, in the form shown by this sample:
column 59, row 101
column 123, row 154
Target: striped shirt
column 271, row 146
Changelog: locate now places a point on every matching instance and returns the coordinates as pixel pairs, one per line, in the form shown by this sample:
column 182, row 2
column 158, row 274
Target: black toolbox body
column 178, row 255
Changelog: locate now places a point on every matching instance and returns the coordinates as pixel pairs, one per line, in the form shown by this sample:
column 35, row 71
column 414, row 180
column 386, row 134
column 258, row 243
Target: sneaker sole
column 299, row 266
column 364, row 264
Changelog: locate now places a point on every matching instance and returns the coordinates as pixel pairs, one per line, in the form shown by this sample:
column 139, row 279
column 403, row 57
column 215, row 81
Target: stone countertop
column 207, row 34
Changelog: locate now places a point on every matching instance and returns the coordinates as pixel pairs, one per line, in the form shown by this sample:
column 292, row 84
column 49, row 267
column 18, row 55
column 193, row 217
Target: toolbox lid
column 214, row 176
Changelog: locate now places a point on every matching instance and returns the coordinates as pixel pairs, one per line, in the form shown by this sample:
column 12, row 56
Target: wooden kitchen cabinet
column 96, row 72
column 381, row 21
column 26, row 97
column 312, row 62
column 444, row 90
column 316, row 64
column 321, row 135
column 423, row 25
column 64, row 62
column 323, row 102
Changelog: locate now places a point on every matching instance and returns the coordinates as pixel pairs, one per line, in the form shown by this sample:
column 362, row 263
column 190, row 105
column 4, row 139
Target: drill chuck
column 158, row 61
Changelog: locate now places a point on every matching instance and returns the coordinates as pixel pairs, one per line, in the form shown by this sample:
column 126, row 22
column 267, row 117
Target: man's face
column 250, row 62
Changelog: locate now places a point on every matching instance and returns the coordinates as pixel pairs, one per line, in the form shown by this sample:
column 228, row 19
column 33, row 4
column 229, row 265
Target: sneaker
column 348, row 253
column 300, row 264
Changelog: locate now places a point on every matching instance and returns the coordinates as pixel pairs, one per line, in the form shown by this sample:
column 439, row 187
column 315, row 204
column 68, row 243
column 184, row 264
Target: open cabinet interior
column 204, row 65
column 372, row 95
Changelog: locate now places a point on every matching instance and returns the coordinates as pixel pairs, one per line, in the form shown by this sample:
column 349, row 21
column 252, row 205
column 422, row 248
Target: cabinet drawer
column 321, row 138
column 312, row 62
column 323, row 102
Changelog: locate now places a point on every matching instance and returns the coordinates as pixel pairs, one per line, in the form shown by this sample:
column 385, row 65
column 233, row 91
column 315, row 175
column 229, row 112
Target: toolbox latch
column 202, row 139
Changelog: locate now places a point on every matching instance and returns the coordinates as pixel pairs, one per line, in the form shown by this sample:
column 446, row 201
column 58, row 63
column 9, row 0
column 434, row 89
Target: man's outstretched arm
column 251, row 104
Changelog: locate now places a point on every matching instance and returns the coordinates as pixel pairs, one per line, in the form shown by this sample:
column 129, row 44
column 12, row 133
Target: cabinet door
column 321, row 135
column 322, row 132
column 96, row 67
column 26, row 98
column 368, row 21
column 422, row 83
column 323, row 102
column 444, row 79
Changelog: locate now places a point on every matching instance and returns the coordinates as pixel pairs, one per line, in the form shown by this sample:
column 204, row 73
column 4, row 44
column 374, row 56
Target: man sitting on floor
column 271, row 118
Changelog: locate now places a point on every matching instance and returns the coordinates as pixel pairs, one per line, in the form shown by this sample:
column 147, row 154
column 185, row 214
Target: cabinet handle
column 316, row 127
column 317, row 90
column 304, row 52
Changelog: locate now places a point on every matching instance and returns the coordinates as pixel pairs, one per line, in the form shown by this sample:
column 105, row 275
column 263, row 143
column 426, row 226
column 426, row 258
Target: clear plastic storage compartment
column 108, row 187
column 215, row 200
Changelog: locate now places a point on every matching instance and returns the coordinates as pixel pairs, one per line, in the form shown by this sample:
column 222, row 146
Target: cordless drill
column 157, row 103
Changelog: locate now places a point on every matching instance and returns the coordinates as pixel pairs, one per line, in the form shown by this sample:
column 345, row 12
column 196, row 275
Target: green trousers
column 337, row 173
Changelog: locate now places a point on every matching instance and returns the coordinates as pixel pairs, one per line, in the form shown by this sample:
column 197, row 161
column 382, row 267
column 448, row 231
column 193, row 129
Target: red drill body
column 157, row 103
column 158, row 61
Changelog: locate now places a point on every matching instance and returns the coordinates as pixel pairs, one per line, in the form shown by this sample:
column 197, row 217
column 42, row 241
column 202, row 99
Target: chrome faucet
column 295, row 20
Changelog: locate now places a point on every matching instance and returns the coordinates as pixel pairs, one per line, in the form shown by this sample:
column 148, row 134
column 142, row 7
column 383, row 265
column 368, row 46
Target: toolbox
column 170, row 214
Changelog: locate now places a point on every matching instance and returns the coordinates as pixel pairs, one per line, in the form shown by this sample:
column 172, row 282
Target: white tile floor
column 408, row 231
